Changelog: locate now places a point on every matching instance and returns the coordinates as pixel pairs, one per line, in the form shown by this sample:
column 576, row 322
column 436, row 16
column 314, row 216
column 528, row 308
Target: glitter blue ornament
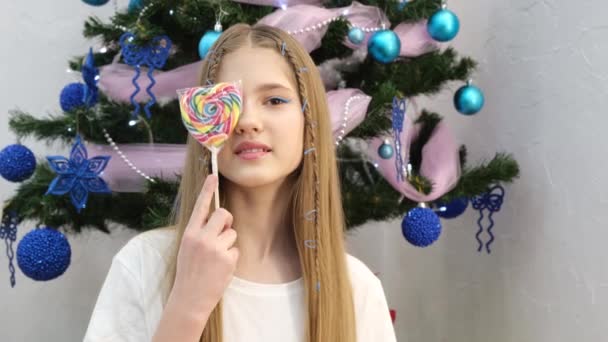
column 443, row 25
column 72, row 96
column 17, row 163
column 356, row 35
column 468, row 100
column 96, row 2
column 384, row 46
column 43, row 254
column 78, row 175
column 452, row 209
column 421, row 227
column 401, row 4
column 385, row 151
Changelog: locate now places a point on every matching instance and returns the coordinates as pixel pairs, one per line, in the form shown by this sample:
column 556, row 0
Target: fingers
column 227, row 238
column 220, row 219
column 201, row 208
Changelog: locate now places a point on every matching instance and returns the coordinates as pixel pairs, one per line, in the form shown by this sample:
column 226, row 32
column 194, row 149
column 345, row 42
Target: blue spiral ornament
column 421, row 227
column 43, row 254
column 384, row 46
column 491, row 201
column 154, row 55
column 8, row 233
column 443, row 25
column 17, row 163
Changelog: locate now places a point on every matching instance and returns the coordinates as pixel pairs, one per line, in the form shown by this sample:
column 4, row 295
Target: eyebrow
column 271, row 86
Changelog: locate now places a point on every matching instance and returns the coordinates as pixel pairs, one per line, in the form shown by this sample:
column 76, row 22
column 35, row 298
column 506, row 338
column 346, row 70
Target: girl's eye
column 278, row 100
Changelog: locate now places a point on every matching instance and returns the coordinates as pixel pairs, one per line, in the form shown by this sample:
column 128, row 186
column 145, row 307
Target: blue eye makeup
column 277, row 100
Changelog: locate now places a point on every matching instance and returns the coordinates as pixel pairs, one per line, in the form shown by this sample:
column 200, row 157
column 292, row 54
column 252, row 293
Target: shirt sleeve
column 118, row 314
column 376, row 320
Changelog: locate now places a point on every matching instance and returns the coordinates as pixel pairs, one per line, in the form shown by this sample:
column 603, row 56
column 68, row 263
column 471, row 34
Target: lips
column 251, row 147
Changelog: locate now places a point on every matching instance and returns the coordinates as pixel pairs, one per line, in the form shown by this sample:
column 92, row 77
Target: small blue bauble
column 207, row 41
column 468, row 100
column 384, row 46
column 356, row 35
column 95, row 2
column 401, row 5
column 135, row 5
column 453, row 209
column 443, row 25
column 43, row 254
column 17, row 163
column 72, row 96
column 421, row 227
column 385, row 151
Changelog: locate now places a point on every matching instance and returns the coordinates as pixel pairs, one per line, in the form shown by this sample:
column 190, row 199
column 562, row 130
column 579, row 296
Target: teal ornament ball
column 443, row 25
column 384, row 46
column 385, row 151
column 207, row 41
column 135, row 6
column 95, row 2
column 356, row 35
column 468, row 100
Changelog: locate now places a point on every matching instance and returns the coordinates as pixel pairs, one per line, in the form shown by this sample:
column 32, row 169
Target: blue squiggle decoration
column 8, row 233
column 398, row 115
column 154, row 56
column 492, row 201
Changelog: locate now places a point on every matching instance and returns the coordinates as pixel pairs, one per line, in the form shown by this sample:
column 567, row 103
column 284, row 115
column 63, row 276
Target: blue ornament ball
column 96, row 2
column 207, row 41
column 468, row 100
column 443, row 25
column 73, row 95
column 135, row 5
column 43, row 254
column 17, row 163
column 421, row 227
column 384, row 46
column 452, row 209
column 401, row 4
column 385, row 151
column 356, row 35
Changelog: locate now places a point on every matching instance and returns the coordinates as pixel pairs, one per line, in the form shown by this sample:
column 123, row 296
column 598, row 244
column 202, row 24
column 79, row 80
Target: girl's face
column 267, row 143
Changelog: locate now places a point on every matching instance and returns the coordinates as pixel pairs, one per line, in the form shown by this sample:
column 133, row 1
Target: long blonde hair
column 315, row 207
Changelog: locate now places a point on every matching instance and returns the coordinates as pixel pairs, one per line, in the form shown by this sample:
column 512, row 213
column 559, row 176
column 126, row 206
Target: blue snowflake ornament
column 78, row 175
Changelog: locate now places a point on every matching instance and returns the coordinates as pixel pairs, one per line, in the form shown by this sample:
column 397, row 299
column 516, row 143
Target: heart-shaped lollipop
column 210, row 114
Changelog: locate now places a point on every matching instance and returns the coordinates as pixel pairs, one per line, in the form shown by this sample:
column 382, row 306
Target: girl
column 287, row 277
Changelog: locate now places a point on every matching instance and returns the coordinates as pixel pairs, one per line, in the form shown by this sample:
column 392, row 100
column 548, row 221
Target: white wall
column 543, row 67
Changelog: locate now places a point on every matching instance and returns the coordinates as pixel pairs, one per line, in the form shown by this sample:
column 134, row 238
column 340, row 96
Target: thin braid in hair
column 311, row 150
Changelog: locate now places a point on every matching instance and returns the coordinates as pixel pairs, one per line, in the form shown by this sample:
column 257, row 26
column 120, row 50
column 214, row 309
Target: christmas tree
column 375, row 56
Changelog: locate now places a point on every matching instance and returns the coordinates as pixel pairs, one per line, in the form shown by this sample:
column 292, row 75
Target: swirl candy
column 211, row 113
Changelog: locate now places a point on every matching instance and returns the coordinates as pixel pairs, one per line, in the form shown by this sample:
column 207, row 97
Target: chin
column 255, row 179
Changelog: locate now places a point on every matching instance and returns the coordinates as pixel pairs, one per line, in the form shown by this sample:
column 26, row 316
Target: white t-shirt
column 129, row 305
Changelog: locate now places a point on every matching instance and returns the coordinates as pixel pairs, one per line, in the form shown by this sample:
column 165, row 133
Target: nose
column 250, row 120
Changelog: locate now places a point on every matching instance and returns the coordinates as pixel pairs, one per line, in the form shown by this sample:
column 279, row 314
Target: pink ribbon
column 440, row 161
column 155, row 160
column 280, row 3
column 357, row 109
